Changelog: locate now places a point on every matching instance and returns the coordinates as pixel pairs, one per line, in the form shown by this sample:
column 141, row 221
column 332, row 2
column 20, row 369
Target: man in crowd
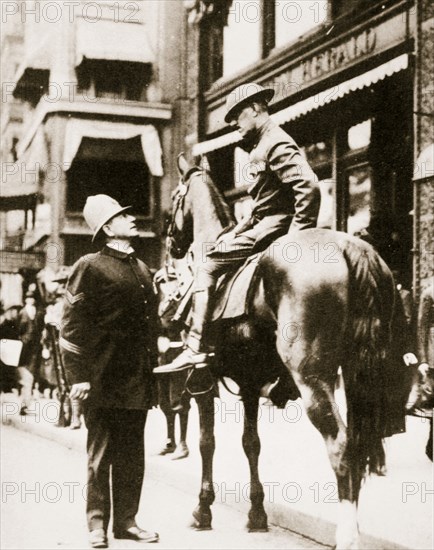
column 9, row 330
column 285, row 194
column 31, row 324
column 109, row 348
column 425, row 337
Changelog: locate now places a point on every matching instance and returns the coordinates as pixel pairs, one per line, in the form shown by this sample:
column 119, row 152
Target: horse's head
column 199, row 211
column 180, row 232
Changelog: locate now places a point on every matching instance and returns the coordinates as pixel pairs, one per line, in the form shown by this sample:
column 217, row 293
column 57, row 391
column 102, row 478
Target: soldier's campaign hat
column 246, row 93
column 100, row 209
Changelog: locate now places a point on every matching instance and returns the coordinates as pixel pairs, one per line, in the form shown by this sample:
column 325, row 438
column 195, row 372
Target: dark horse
column 325, row 300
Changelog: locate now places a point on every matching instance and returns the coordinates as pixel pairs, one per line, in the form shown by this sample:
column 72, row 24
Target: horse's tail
column 367, row 364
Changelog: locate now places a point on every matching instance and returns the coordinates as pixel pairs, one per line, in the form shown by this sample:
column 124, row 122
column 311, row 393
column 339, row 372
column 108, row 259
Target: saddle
column 233, row 295
column 235, row 290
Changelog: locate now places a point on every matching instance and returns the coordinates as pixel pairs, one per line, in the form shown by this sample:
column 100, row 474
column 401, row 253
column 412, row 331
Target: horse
column 172, row 399
column 325, row 301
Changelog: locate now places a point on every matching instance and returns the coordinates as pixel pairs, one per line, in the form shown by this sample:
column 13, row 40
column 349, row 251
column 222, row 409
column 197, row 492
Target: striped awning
column 112, row 41
column 314, row 102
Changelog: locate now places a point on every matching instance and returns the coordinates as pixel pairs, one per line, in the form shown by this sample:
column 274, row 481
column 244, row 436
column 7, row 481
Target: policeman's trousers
column 115, row 444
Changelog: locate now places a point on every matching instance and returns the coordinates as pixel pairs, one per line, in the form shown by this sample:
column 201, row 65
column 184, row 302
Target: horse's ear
column 183, row 165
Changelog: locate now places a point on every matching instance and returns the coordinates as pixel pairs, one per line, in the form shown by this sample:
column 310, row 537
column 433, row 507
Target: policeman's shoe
column 138, row 534
column 98, row 539
column 185, row 360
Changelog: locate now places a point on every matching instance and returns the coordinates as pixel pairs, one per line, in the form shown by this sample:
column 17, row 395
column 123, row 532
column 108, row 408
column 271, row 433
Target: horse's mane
column 222, row 209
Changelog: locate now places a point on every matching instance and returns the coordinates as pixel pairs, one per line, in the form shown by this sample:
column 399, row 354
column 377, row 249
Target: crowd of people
column 36, row 373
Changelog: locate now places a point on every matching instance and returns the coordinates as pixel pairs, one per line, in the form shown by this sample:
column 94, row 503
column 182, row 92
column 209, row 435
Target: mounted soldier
column 286, row 197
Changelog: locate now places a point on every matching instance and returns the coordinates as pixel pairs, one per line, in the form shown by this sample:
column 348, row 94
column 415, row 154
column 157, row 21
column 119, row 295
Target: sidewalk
column 395, row 511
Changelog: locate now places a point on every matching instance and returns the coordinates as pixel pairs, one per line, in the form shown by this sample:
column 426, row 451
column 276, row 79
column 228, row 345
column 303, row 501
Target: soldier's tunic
column 285, row 195
column 109, row 339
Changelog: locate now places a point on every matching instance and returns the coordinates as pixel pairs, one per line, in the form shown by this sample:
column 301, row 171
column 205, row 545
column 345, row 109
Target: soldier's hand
column 80, row 391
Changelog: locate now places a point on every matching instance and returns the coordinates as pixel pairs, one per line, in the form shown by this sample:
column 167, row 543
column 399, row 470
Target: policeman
column 285, row 196
column 109, row 348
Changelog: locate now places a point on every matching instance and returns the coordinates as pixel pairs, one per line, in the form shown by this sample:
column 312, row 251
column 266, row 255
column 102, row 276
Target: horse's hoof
column 201, row 522
column 257, row 529
column 198, row 527
column 180, row 452
column 170, row 447
column 257, row 523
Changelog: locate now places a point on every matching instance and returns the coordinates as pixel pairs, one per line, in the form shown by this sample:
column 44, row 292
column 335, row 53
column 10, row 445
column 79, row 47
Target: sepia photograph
column 217, row 274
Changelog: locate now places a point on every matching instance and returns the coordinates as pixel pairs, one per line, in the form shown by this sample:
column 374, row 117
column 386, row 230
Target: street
column 43, row 505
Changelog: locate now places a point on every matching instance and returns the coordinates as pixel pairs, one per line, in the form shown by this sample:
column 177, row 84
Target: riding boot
column 193, row 355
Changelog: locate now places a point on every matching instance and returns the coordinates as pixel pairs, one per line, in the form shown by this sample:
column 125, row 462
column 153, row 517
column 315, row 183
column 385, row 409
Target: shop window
column 318, row 154
column 242, row 36
column 326, row 216
column 295, row 19
column 358, row 180
column 359, row 136
column 342, row 7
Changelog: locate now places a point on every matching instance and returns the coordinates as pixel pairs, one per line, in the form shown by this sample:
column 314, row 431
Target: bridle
column 178, row 198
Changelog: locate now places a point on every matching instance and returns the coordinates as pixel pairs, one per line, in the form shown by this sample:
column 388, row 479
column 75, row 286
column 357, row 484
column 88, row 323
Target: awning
column 37, row 57
column 314, row 102
column 20, row 180
column 112, row 41
column 77, row 129
column 17, row 195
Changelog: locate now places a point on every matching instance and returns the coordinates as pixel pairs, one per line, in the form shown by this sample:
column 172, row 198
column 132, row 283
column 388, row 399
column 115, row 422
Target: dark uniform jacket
column 284, row 188
column 109, row 329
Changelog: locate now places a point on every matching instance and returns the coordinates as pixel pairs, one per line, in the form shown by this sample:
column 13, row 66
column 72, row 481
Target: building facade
column 100, row 97
column 353, row 85
column 91, row 90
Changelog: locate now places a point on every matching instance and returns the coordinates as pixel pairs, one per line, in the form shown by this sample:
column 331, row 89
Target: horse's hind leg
column 252, row 447
column 202, row 514
column 315, row 374
column 318, row 397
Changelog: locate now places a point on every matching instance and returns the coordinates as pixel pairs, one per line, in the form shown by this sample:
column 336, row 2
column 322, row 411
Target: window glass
column 327, row 209
column 242, row 36
column 359, row 136
column 341, row 7
column 293, row 19
column 318, row 153
column 359, row 198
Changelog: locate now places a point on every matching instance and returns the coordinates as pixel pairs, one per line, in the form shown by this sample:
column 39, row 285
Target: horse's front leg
column 202, row 514
column 252, row 447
